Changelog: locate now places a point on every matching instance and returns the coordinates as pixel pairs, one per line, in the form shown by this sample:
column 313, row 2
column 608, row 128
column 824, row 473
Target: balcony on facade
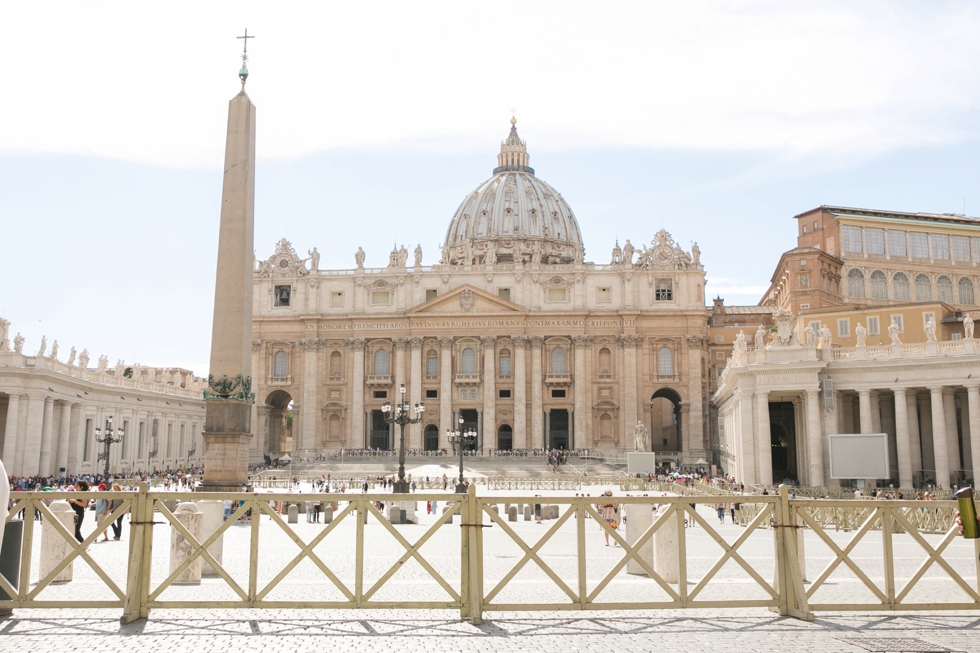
column 280, row 380
column 467, row 379
column 378, row 380
column 558, row 379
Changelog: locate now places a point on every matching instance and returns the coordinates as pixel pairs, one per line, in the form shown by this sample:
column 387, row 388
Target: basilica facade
column 512, row 333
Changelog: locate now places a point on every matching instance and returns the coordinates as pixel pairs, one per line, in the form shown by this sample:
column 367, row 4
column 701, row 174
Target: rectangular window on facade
column 431, row 394
column 603, row 295
column 665, row 290
column 918, row 245
column 899, row 321
column 503, row 293
column 337, row 299
column 432, row 366
column 804, row 307
column 719, row 338
column 852, row 239
column 873, row 328
column 960, row 246
column 720, row 355
column 976, row 249
column 843, row 328
column 381, row 297
column 720, row 370
column 956, row 336
column 431, row 293
column 380, row 394
column 874, row 239
column 504, row 366
column 282, row 295
column 505, row 394
column 896, row 243
column 558, row 394
column 87, row 445
column 804, row 230
column 557, row 294
column 940, row 246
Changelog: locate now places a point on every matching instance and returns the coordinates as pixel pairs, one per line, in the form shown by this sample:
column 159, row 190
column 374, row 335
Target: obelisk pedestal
column 229, row 397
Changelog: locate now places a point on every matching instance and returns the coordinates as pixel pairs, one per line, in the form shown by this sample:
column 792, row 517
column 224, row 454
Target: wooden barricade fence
column 580, row 583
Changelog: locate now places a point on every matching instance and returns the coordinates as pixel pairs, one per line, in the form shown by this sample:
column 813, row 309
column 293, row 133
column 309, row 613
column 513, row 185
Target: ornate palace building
column 513, row 332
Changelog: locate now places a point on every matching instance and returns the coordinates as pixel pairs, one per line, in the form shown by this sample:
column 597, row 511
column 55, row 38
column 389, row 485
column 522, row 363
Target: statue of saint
column 617, row 255
column 359, row 258
column 44, row 346
column 314, row 259
column 418, row 256
column 4, row 327
column 83, row 360
column 825, row 337
column 491, row 257
column 695, row 255
column 861, row 333
column 54, row 351
column 402, row 256
column 536, row 251
column 103, row 363
column 18, row 343
column 628, row 252
column 931, row 330
column 967, row 326
column 640, row 440
column 893, row 333
column 71, row 357
column 811, row 337
column 760, row 338
column 740, row 347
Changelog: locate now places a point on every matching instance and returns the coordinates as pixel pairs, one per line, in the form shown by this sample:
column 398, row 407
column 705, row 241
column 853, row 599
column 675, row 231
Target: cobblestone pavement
column 392, row 631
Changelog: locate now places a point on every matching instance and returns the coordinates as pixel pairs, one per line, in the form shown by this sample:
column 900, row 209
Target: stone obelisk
column 229, row 397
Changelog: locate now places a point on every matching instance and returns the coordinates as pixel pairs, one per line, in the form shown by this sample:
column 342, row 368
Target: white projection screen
column 859, row 455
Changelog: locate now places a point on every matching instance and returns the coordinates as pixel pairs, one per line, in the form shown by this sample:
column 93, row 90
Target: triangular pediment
column 467, row 300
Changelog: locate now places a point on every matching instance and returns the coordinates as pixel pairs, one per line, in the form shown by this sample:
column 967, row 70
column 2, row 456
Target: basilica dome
column 513, row 217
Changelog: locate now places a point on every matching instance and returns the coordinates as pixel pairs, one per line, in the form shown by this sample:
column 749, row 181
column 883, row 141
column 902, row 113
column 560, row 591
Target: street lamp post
column 461, row 440
column 401, row 414
column 108, row 441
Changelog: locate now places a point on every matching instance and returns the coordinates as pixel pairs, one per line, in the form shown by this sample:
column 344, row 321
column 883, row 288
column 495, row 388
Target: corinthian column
column 415, row 390
column 355, row 439
column 308, row 423
column 628, row 344
column 537, row 405
column 582, row 439
column 520, row 389
column 445, row 389
column 489, row 434
column 939, row 436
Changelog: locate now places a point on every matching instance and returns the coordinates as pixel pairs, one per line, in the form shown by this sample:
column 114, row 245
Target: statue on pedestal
column 83, row 360
column 359, row 258
column 491, row 257
column 695, row 255
column 641, row 440
column 760, row 338
column 825, row 337
column 811, row 337
column 861, row 334
column 314, row 259
column 967, row 326
column 54, row 351
column 740, row 347
column 18, row 343
column 931, row 330
column 402, row 256
column 418, row 256
column 44, row 346
column 628, row 252
column 893, row 333
column 103, row 363
column 71, row 357
column 4, row 327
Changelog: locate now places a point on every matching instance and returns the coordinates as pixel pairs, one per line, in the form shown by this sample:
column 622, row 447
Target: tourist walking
column 113, row 505
column 720, row 507
column 609, row 513
column 79, row 505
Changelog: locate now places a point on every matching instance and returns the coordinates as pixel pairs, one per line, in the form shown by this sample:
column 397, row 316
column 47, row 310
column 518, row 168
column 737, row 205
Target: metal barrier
column 576, row 578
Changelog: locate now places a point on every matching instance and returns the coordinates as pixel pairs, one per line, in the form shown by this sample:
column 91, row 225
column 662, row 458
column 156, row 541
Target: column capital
column 446, row 342
column 583, row 341
column 256, row 345
column 355, row 344
column 401, row 342
column 537, row 341
column 488, row 341
column 519, row 341
column 311, row 344
column 416, row 342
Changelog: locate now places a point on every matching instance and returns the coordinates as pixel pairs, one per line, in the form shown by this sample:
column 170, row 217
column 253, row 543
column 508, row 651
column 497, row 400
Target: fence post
column 135, row 606
column 789, row 580
column 474, row 523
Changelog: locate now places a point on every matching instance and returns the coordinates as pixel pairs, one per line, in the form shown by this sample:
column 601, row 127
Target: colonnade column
column 489, row 392
column 973, row 405
column 415, row 389
column 537, row 403
column 29, row 454
column 47, row 437
column 939, row 436
column 814, row 437
column 952, row 437
column 520, row 389
column 903, row 442
column 10, row 438
column 445, row 390
column 763, row 438
column 355, row 439
column 64, row 434
column 256, row 446
column 746, row 438
column 582, row 439
column 912, row 415
column 864, row 400
column 75, row 453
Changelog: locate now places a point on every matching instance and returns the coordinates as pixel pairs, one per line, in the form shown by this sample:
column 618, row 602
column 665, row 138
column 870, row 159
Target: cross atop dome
column 513, row 155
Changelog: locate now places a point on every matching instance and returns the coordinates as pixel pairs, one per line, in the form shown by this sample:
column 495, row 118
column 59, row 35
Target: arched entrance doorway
column 782, row 429
column 665, row 421
column 505, row 437
column 431, row 442
column 279, row 424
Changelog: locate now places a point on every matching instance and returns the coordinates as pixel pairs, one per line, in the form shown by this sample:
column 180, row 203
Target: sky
column 718, row 121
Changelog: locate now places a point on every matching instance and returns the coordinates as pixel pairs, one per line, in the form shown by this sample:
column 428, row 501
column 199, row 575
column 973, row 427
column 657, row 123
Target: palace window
column 879, row 285
column 960, row 246
column 899, row 321
column 976, row 249
column 918, row 245
column 432, row 363
column 873, row 329
column 852, row 239
column 381, row 297
column 557, row 394
column 665, row 361
column 558, row 361
column 896, row 243
column 605, row 361
column 280, row 368
column 431, row 394
column 381, row 362
column 923, row 288
column 940, row 246
column 380, row 394
column 900, row 287
column 966, row 291
column 504, row 362
column 505, row 394
column 468, row 361
column 855, row 283
column 335, row 363
column 843, row 328
column 282, row 294
column 926, row 317
column 665, row 290
column 874, row 239
column 944, row 289
column 557, row 294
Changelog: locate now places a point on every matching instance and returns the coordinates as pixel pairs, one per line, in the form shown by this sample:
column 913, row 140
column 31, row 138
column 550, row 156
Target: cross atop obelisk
column 229, row 397
column 243, row 73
